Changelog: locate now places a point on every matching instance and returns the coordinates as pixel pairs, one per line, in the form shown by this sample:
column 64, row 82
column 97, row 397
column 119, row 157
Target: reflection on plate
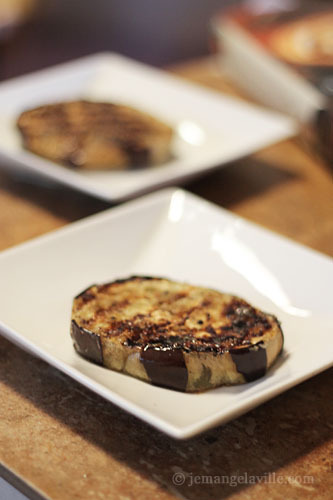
column 174, row 234
column 211, row 129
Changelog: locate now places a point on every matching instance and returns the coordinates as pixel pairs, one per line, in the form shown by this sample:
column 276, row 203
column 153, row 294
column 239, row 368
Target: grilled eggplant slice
column 174, row 334
column 95, row 135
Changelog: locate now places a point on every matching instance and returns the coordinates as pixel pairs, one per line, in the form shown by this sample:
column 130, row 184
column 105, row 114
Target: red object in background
column 281, row 53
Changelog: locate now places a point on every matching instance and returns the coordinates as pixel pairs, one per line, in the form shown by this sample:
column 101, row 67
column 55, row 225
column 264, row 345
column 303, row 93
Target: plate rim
column 33, row 164
column 176, row 431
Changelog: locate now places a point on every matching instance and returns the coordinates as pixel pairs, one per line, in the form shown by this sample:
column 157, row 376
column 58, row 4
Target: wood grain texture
column 68, row 443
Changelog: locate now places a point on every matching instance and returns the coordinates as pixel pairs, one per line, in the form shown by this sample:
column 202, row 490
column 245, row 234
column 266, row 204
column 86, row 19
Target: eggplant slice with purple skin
column 174, row 335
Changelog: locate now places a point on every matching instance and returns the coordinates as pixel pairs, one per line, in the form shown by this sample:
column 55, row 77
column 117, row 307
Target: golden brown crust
column 95, row 135
column 174, row 326
column 155, row 311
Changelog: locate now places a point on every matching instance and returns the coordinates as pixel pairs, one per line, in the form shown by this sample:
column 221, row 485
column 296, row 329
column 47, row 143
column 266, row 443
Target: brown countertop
column 63, row 441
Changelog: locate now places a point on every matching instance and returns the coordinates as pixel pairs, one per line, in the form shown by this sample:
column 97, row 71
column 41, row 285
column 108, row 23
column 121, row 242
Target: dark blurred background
column 157, row 32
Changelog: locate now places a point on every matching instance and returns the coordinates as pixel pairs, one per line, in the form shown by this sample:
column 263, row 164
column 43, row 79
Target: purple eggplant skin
column 87, row 343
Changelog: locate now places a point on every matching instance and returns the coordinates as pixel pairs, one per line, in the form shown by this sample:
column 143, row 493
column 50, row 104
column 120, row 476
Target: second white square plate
column 177, row 235
column 211, row 129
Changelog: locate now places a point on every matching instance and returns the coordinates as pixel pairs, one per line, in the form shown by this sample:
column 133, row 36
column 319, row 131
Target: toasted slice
column 95, row 135
column 173, row 334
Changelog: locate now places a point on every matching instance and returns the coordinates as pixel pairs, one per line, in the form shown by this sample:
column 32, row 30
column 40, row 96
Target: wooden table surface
column 63, row 441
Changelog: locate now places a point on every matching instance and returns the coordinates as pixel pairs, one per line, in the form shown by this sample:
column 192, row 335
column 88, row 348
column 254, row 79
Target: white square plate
column 211, row 129
column 174, row 234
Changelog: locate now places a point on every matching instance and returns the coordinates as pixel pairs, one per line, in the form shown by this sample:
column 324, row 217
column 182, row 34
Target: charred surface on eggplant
column 135, row 278
column 245, row 319
column 138, row 155
column 104, row 287
column 86, row 293
column 187, row 337
column 165, row 367
column 87, row 343
column 88, row 134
